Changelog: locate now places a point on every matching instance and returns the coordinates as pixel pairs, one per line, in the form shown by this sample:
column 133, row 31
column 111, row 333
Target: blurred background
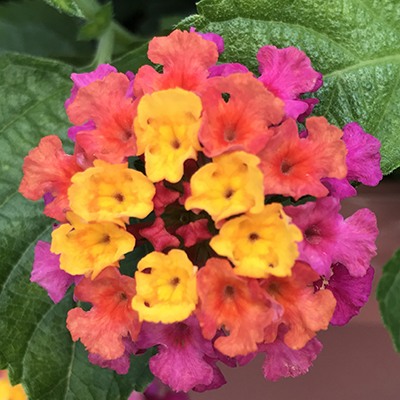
column 358, row 361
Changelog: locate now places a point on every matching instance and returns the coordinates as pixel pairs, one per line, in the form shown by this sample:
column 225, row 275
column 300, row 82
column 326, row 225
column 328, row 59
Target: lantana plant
column 234, row 271
column 197, row 219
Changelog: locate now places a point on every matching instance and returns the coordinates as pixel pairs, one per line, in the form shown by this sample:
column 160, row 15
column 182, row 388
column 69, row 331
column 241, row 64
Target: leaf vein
column 32, row 107
column 305, row 28
column 385, row 111
column 366, row 63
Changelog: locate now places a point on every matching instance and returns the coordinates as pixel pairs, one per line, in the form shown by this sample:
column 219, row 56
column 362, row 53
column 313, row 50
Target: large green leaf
column 35, row 28
column 354, row 43
column 388, row 295
column 34, row 342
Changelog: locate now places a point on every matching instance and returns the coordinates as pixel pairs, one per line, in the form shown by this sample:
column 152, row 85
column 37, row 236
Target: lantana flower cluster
column 206, row 162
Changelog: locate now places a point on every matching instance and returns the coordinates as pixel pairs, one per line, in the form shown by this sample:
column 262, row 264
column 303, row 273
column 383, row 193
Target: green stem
column 104, row 48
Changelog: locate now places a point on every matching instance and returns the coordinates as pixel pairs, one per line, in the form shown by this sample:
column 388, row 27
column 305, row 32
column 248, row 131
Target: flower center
column 229, row 291
column 273, row 289
column 229, row 193
column 176, row 144
column 313, row 234
column 123, row 296
column 286, row 167
column 175, row 281
column 230, row 134
column 253, row 237
column 105, row 238
column 119, row 197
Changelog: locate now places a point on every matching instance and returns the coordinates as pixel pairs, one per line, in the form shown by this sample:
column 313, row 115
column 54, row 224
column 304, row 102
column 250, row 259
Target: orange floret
column 238, row 304
column 230, row 185
column 105, row 103
column 185, row 57
column 306, row 312
column 111, row 193
column 48, row 169
column 294, row 166
column 110, row 319
column 240, row 122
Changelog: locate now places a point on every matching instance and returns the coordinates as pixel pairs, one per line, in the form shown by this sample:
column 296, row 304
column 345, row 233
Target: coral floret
column 48, row 170
column 293, row 166
column 242, row 121
column 185, row 57
column 111, row 318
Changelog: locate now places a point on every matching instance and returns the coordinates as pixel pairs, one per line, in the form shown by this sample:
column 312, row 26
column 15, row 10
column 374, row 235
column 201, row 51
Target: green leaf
column 35, row 28
column 388, row 295
column 94, row 28
column 355, row 44
column 35, row 345
column 75, row 8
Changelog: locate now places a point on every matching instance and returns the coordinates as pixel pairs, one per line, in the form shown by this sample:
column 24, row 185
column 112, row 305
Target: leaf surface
column 354, row 43
column 388, row 295
column 35, row 28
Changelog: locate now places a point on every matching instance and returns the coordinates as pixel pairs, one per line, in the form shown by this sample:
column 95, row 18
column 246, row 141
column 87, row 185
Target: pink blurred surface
column 358, row 361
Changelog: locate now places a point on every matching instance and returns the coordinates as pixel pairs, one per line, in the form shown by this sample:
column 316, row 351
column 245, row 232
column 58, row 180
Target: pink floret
column 288, row 73
column 47, row 273
column 350, row 292
column 184, row 358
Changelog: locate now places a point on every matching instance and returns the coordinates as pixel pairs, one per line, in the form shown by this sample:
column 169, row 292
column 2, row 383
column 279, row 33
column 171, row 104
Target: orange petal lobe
column 104, row 102
column 293, row 166
column 186, row 58
column 306, row 312
column 240, row 122
column 234, row 302
column 48, row 168
column 101, row 329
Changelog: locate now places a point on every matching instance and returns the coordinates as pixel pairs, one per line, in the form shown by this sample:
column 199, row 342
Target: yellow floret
column 260, row 245
column 111, row 193
column 86, row 248
column 166, row 287
column 166, row 128
column 230, row 185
